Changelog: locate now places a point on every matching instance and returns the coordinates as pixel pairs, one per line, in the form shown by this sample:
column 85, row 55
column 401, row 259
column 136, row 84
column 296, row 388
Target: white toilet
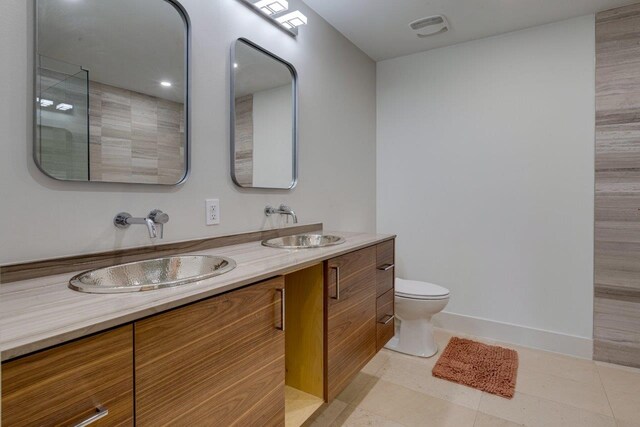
column 416, row 303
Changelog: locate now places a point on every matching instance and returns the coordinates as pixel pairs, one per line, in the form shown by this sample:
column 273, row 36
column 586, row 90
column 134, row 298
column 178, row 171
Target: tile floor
column 552, row 390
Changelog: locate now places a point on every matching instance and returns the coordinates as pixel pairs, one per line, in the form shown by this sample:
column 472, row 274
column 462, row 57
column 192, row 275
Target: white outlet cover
column 212, row 211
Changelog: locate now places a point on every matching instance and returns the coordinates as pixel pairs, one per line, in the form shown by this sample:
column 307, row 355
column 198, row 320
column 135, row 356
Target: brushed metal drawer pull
column 282, row 308
column 386, row 267
column 386, row 322
column 337, row 269
column 100, row 413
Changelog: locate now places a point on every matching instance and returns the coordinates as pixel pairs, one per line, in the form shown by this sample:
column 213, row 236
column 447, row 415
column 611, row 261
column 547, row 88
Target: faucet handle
column 158, row 216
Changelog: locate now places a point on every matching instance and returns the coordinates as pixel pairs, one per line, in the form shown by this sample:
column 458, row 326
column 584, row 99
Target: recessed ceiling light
column 165, row 84
column 293, row 19
column 235, row 65
column 64, row 107
column 46, row 103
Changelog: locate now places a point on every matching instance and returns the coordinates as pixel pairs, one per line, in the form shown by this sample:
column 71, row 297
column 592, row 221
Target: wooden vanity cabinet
column 351, row 317
column 66, row 385
column 359, row 295
column 219, row 361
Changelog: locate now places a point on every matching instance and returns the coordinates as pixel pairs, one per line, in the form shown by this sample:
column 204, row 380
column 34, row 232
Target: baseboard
column 516, row 334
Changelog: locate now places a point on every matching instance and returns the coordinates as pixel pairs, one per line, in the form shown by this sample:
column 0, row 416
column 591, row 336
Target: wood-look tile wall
column 135, row 137
column 617, row 215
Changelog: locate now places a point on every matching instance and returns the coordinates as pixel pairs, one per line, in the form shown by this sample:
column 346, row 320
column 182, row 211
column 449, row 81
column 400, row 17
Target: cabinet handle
column 337, row 269
column 386, row 267
column 282, row 308
column 386, row 322
column 100, row 413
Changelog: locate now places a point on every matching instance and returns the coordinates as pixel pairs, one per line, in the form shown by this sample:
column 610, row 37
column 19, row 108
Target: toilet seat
column 413, row 289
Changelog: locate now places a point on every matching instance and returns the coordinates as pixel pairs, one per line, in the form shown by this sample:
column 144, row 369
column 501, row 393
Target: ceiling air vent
column 430, row 26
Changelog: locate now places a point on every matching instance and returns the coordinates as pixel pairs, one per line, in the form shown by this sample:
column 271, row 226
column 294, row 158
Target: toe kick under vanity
column 267, row 343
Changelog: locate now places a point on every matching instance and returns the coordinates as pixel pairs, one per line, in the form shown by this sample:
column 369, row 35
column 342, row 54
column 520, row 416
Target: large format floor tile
column 415, row 374
column 411, row 408
column 622, row 386
column 552, row 390
column 588, row 396
column 534, row 411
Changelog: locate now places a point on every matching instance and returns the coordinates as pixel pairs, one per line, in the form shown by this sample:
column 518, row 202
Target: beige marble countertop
column 39, row 313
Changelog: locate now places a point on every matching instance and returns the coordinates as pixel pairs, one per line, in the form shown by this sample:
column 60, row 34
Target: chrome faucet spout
column 156, row 219
column 151, row 227
column 294, row 216
column 282, row 210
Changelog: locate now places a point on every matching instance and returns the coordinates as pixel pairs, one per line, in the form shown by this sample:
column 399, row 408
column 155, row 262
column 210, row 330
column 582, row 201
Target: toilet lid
column 420, row 290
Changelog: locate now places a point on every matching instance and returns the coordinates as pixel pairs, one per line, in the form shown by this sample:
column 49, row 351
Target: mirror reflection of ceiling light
column 165, row 84
column 64, row 107
column 46, row 103
column 292, row 19
column 270, row 7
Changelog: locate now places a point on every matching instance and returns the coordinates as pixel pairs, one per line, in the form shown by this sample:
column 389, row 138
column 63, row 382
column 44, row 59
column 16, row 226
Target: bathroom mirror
column 263, row 118
column 111, row 91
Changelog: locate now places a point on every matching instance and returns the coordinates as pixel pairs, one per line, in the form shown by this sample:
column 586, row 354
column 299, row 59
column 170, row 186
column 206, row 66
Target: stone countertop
column 43, row 312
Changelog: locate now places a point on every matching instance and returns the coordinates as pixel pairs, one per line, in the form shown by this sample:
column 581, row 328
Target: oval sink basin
column 304, row 241
column 151, row 274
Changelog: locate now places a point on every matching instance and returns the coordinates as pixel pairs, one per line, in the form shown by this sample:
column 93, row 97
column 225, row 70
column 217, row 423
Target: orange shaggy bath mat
column 486, row 367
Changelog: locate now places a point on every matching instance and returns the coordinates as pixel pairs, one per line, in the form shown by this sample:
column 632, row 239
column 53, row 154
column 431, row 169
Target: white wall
column 485, row 171
column 272, row 137
column 41, row 218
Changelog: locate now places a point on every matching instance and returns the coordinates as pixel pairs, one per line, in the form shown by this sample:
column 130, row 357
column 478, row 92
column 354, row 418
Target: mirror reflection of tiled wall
column 135, row 137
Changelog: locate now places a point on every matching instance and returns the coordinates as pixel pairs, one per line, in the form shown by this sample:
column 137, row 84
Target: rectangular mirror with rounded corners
column 112, row 91
column 264, row 137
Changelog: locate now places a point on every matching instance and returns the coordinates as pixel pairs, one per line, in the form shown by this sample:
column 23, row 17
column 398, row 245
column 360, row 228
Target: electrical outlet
column 212, row 211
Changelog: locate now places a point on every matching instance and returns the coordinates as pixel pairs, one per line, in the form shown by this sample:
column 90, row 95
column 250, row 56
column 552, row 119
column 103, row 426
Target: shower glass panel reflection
column 62, row 107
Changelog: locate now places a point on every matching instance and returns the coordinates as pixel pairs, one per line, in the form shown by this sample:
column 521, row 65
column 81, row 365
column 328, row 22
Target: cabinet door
column 385, row 260
column 351, row 316
column 385, row 278
column 215, row 362
column 91, row 378
column 386, row 319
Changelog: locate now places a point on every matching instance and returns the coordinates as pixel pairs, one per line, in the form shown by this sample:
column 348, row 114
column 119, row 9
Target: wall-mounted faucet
column 282, row 210
column 156, row 219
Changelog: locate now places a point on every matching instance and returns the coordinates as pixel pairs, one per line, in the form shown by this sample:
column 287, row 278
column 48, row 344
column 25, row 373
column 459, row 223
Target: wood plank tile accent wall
column 617, row 215
column 135, row 137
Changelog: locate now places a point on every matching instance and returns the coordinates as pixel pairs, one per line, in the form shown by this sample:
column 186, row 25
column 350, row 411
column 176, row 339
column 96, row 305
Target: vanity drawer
column 91, row 378
column 385, row 319
column 385, row 265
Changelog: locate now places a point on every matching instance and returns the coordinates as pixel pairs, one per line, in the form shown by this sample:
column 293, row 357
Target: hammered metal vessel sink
column 304, row 241
column 151, row 274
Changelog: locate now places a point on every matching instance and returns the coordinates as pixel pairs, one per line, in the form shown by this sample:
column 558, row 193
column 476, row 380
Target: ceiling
column 128, row 44
column 380, row 27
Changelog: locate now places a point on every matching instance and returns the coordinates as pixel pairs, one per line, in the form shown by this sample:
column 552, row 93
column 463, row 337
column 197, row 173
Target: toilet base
column 414, row 337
